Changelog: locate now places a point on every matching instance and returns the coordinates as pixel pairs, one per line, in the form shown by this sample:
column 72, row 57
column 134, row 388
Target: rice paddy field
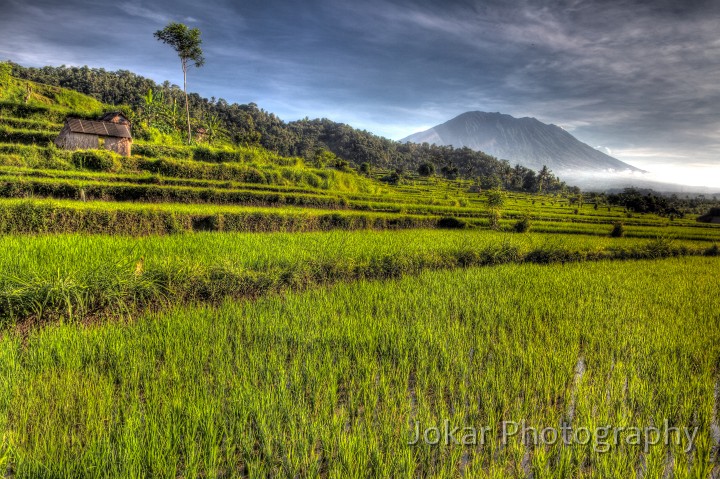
column 225, row 312
column 330, row 382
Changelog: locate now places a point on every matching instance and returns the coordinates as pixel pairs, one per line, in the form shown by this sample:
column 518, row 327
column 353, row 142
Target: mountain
column 526, row 141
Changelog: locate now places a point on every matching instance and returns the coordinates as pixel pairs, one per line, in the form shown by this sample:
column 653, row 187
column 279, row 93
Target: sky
column 638, row 79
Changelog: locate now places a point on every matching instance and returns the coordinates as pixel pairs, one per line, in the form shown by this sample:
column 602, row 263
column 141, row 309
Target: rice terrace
column 193, row 288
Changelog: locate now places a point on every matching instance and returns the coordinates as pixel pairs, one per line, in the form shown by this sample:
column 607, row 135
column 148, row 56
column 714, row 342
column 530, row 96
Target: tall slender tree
column 544, row 177
column 186, row 42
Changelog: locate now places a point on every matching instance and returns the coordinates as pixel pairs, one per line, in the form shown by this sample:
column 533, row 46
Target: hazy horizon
column 635, row 79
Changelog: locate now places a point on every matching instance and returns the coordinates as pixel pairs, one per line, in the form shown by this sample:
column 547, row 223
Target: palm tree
column 544, row 177
column 186, row 43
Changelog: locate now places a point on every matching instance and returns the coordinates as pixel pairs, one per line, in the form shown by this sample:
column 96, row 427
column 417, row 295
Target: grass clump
column 713, row 250
column 522, row 225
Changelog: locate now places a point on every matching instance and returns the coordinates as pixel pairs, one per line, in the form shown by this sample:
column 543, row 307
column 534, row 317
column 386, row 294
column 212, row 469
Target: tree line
column 649, row 201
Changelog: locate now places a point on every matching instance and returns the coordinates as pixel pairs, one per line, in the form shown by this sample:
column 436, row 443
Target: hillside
column 247, row 124
column 210, row 185
column 215, row 185
column 526, row 141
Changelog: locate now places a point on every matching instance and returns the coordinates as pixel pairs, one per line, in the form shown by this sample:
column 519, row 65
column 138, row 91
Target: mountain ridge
column 525, row 140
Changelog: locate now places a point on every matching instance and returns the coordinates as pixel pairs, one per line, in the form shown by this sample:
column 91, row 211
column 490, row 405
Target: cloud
column 629, row 75
column 137, row 10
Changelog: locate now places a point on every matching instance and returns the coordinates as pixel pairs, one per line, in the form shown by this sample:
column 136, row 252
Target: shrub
column 522, row 226
column 203, row 153
column 339, row 164
column 313, row 180
column 660, row 248
column 553, row 254
column 451, row 223
column 618, row 230
column 426, row 169
column 494, row 220
column 5, row 70
column 227, row 156
column 393, row 178
column 158, row 151
column 323, row 157
column 495, row 198
column 253, row 175
column 709, row 216
column 96, row 160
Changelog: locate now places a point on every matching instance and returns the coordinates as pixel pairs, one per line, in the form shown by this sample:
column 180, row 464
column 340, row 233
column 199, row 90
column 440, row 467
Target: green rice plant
column 33, row 216
column 161, row 151
column 330, row 382
column 23, row 135
column 96, row 275
column 31, row 124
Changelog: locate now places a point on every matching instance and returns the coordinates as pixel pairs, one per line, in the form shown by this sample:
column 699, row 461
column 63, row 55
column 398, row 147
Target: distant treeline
column 248, row 124
column 649, row 201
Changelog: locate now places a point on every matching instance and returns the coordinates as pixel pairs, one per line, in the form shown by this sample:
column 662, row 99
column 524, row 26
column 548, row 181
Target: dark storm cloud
column 639, row 78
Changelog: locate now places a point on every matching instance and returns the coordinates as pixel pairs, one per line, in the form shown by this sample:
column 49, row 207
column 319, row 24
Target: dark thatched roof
column 101, row 128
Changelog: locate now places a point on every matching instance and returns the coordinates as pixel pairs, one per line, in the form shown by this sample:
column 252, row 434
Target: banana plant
column 214, row 127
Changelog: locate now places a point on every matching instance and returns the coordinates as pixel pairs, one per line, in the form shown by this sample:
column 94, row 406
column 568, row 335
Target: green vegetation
column 644, row 202
column 107, row 274
column 618, row 230
column 27, row 99
column 137, row 219
column 249, row 305
column 711, row 215
column 522, row 226
column 318, row 141
column 238, row 184
column 328, row 383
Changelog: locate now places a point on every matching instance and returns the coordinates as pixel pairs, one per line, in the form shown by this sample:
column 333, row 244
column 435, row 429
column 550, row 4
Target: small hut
column 201, row 134
column 111, row 131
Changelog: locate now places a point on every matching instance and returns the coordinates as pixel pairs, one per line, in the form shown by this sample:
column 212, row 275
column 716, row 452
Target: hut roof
column 102, row 128
column 115, row 117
